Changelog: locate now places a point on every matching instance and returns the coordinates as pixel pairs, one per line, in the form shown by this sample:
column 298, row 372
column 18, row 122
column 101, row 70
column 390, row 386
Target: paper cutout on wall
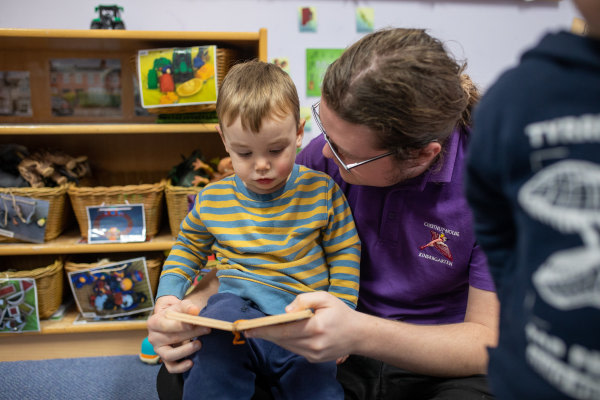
column 365, row 19
column 307, row 19
column 282, row 62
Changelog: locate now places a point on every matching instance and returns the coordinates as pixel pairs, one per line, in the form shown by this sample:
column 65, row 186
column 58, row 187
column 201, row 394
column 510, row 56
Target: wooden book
column 241, row 325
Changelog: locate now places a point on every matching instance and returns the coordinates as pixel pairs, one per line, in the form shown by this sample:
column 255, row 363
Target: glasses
column 347, row 167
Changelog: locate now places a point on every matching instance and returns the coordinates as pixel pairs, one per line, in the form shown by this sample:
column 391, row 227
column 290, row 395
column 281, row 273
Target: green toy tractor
column 109, row 17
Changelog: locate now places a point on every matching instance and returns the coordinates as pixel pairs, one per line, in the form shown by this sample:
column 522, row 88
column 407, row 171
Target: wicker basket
column 225, row 59
column 177, row 204
column 48, row 279
column 148, row 194
column 58, row 208
column 154, row 262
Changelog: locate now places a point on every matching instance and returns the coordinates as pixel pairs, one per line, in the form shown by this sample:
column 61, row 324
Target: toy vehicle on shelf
column 109, row 17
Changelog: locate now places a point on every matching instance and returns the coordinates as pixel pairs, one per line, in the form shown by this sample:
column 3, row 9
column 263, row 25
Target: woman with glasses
column 394, row 115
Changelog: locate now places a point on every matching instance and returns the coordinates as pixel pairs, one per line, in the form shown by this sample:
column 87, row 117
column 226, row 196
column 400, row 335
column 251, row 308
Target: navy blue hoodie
column 533, row 182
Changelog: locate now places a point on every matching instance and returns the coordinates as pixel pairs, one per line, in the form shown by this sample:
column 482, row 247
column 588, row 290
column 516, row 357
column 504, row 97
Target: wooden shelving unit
column 103, row 129
column 64, row 339
column 70, row 243
column 125, row 143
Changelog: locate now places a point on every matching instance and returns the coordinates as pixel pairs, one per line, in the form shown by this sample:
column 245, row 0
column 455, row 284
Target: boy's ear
column 300, row 132
column 218, row 128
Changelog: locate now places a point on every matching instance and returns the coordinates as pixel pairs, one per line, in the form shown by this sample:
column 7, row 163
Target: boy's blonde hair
column 255, row 91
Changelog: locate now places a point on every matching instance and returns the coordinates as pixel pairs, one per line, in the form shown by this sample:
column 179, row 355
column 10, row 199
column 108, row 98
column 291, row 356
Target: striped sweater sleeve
column 187, row 256
column 342, row 248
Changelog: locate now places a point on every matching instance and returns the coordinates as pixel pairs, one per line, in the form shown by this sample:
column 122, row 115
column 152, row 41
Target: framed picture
column 15, row 93
column 85, row 87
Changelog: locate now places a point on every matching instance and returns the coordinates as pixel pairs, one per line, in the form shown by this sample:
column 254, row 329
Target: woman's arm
column 437, row 350
column 172, row 340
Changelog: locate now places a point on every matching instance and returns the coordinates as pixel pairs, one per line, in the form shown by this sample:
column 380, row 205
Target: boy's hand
column 173, row 341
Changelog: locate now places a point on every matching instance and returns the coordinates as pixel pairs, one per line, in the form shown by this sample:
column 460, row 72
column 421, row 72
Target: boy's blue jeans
column 223, row 370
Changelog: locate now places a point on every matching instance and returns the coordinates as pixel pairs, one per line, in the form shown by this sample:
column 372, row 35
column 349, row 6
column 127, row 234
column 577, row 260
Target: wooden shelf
column 63, row 339
column 67, row 325
column 103, row 129
column 69, row 243
column 253, row 43
column 115, row 145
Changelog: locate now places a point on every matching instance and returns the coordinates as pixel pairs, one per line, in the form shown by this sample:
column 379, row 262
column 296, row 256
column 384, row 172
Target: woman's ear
column 428, row 154
column 300, row 133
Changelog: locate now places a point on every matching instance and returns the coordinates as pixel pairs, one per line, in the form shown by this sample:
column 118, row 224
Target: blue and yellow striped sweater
column 269, row 247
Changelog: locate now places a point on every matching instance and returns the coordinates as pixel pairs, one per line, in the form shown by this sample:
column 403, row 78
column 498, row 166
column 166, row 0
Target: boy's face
column 263, row 160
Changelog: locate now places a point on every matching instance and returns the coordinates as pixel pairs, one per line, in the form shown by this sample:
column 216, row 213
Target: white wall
column 489, row 34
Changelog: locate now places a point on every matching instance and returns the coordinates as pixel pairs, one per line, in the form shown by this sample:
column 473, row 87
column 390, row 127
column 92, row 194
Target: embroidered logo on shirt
column 438, row 242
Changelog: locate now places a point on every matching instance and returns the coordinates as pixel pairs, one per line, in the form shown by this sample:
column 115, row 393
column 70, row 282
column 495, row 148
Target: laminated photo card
column 23, row 217
column 120, row 223
column 178, row 76
column 112, row 290
column 18, row 305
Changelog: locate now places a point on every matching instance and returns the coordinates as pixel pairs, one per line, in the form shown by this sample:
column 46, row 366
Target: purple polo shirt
column 409, row 271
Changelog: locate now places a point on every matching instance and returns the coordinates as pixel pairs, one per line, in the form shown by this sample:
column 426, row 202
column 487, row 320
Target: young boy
column 277, row 229
column 533, row 184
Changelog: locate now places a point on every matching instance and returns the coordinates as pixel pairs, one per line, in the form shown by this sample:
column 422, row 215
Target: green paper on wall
column 317, row 61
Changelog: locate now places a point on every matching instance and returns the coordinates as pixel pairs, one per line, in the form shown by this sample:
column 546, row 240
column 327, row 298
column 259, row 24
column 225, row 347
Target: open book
column 240, row 325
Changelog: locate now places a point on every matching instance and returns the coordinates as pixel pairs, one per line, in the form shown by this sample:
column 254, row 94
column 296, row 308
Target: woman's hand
column 327, row 335
column 173, row 341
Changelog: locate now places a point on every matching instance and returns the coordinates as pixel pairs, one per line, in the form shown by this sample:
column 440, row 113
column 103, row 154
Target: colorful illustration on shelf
column 365, row 19
column 282, row 62
column 23, row 217
column 178, row 76
column 121, row 223
column 15, row 94
column 112, row 290
column 85, row 87
column 317, row 61
column 307, row 19
column 18, row 306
